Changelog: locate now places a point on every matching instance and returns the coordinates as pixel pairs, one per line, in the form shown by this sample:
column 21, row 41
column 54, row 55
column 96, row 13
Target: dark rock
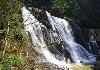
column 98, row 58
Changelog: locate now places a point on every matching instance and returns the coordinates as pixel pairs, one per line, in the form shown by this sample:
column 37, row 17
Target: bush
column 10, row 60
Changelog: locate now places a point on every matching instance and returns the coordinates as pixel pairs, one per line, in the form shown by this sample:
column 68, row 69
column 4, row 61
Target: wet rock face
column 81, row 35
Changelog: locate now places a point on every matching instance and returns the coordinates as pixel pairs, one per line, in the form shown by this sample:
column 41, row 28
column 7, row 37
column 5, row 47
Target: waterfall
column 77, row 52
column 61, row 31
column 33, row 26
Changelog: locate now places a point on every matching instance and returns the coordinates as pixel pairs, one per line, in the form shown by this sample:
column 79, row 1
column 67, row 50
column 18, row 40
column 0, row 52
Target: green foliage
column 10, row 6
column 18, row 36
column 10, row 60
column 60, row 5
column 15, row 21
column 4, row 67
column 11, row 19
column 65, row 6
column 10, row 12
column 13, row 33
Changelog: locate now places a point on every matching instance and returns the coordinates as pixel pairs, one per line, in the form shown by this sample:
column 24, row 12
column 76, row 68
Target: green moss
column 10, row 60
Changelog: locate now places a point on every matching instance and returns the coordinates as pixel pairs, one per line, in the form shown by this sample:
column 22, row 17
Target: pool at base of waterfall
column 76, row 66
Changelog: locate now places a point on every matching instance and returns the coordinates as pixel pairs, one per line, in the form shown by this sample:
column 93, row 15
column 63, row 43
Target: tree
column 65, row 6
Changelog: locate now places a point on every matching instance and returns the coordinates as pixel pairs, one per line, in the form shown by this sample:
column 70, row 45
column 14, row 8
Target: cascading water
column 93, row 46
column 34, row 28
column 60, row 30
column 77, row 52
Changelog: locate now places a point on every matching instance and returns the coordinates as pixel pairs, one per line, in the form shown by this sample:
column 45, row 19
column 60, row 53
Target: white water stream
column 62, row 27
